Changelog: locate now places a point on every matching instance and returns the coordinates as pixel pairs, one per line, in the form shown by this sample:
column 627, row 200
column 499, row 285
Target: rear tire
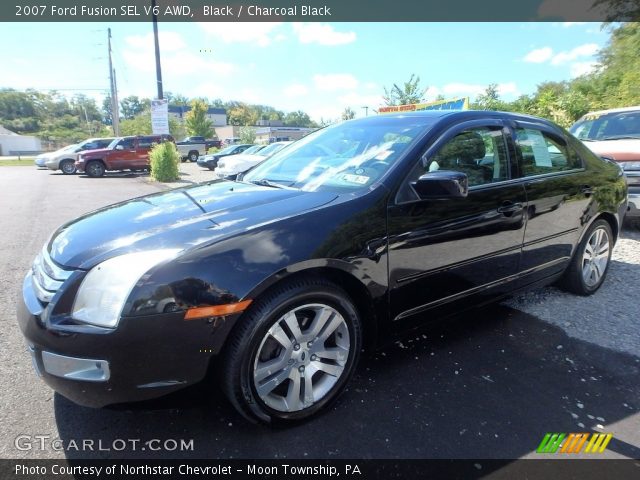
column 590, row 262
column 293, row 352
column 95, row 168
column 68, row 167
column 193, row 156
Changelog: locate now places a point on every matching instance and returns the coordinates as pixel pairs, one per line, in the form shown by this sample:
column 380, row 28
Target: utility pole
column 366, row 111
column 115, row 113
column 157, row 48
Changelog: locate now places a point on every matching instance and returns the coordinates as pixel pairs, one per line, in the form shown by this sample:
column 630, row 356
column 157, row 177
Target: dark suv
column 124, row 153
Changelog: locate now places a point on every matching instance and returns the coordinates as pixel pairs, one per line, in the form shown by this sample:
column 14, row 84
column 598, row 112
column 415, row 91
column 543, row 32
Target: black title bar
column 320, row 10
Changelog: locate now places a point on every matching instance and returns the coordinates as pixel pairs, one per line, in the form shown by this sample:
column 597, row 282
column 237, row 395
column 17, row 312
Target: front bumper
column 144, row 357
column 52, row 165
column 40, row 162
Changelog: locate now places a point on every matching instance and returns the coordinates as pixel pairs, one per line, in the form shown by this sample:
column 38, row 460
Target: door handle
column 510, row 208
column 586, row 190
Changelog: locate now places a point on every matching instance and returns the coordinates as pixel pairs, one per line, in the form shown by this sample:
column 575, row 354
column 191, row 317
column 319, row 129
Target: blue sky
column 320, row 68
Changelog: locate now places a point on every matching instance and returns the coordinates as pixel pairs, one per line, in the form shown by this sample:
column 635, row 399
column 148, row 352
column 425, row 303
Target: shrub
column 213, row 150
column 164, row 162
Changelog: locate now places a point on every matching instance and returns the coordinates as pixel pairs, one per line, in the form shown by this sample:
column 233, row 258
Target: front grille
column 47, row 277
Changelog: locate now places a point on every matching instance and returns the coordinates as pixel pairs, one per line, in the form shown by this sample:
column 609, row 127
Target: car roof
column 433, row 116
column 614, row 110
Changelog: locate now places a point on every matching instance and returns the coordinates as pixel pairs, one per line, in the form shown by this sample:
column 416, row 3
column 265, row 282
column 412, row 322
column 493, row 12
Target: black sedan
column 349, row 236
column 210, row 160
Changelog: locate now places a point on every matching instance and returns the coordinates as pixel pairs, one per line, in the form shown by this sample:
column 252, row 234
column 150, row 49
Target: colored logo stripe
column 598, row 442
column 550, row 442
column 574, row 442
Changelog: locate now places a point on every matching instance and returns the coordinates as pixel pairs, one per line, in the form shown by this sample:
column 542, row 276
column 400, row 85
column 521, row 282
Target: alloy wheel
column 595, row 257
column 301, row 357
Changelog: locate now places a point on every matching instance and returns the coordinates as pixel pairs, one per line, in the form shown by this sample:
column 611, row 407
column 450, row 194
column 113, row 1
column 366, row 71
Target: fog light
column 72, row 368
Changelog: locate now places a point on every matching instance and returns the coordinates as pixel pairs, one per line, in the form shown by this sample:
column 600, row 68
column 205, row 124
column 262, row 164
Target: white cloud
column 322, row 34
column 509, row 88
column 539, row 55
column 585, row 50
column 335, row 81
column 583, row 68
column 431, row 93
column 259, row 33
column 176, row 59
column 295, row 90
column 169, row 41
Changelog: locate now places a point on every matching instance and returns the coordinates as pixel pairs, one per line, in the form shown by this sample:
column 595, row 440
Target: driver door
column 446, row 250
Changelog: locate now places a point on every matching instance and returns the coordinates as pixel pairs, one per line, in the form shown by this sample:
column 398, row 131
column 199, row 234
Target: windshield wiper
column 269, row 183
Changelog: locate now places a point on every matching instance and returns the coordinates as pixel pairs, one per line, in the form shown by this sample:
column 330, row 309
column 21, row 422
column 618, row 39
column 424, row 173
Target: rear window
column 609, row 126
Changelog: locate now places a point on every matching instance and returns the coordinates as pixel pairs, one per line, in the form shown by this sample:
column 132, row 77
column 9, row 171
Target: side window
column 480, row 153
column 103, row 143
column 147, row 142
column 128, row 144
column 542, row 153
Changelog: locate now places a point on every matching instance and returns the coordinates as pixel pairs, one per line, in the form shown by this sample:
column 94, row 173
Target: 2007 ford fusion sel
column 278, row 280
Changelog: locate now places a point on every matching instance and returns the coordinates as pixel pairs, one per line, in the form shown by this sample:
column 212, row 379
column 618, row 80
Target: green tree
column 490, row 99
column 348, row 114
column 410, row 92
column 247, row 135
column 196, row 120
column 131, row 106
column 298, row 119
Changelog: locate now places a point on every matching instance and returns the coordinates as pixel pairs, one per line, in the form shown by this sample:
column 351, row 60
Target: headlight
column 105, row 289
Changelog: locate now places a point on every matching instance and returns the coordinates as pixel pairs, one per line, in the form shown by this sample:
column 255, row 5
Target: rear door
column 442, row 251
column 145, row 144
column 558, row 196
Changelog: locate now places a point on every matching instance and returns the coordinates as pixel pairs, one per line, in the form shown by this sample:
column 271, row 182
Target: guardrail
column 21, row 153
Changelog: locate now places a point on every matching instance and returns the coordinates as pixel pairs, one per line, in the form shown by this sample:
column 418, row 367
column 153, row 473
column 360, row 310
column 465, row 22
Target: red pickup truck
column 124, row 153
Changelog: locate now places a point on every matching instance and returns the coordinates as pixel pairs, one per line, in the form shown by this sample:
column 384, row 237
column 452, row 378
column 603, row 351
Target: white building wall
column 15, row 143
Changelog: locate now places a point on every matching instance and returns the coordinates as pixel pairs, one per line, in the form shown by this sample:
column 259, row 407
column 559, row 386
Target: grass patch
column 23, row 162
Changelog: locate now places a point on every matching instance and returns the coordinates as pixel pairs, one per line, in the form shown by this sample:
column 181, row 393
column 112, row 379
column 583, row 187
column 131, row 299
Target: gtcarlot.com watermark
column 38, row 443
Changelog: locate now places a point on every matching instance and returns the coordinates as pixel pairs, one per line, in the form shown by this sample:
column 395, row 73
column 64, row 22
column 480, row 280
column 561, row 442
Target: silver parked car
column 65, row 158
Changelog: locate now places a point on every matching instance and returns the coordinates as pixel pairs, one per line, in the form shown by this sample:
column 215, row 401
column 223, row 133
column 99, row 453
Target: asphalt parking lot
column 489, row 384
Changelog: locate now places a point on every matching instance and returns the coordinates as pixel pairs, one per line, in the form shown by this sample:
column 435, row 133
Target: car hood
column 183, row 218
column 622, row 150
column 242, row 157
column 100, row 151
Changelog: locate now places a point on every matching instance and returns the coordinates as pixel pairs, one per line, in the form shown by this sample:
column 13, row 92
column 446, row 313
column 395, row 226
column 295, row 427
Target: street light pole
column 366, row 111
column 157, row 49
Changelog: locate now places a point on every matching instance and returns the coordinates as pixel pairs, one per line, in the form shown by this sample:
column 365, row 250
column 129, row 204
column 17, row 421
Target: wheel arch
column 336, row 272
column 612, row 221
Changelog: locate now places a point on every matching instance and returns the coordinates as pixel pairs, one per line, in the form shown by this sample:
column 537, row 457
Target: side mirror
column 441, row 184
column 119, row 147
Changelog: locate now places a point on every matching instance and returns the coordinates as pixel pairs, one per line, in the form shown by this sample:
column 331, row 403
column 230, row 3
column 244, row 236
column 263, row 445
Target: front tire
column 590, row 262
column 193, row 156
column 293, row 352
column 68, row 167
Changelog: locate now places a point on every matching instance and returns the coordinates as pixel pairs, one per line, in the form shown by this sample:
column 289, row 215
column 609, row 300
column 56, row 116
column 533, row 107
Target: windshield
column 344, row 157
column 271, row 149
column 608, row 126
column 226, row 150
column 113, row 144
column 252, row 150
